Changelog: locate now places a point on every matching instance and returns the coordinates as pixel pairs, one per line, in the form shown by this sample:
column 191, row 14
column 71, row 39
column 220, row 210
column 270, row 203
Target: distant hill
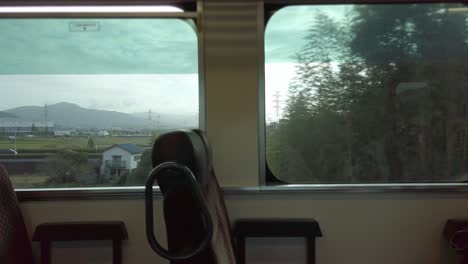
column 72, row 116
column 7, row 115
column 67, row 115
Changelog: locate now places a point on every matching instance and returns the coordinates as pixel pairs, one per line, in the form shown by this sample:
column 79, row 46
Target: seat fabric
column 184, row 225
column 15, row 246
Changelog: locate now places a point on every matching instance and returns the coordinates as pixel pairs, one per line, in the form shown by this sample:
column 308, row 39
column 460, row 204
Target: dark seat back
column 184, row 225
column 15, row 246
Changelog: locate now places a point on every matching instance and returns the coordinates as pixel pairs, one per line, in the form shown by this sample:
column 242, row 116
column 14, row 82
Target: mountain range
column 72, row 116
column 7, row 115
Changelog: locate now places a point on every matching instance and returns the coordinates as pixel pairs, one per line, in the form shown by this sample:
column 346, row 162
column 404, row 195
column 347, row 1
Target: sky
column 285, row 35
column 46, row 61
column 130, row 65
column 112, row 46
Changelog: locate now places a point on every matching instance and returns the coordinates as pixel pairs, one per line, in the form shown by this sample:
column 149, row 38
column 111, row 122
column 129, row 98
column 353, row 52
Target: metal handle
column 189, row 179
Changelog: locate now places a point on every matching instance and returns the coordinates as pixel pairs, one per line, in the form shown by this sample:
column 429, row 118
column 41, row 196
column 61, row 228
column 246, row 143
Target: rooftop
column 131, row 148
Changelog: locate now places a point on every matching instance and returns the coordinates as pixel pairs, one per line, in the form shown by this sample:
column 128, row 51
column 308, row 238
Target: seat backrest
column 15, row 246
column 184, row 225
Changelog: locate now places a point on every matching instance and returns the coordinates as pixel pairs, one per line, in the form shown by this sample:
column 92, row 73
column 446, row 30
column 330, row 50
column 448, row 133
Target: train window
column 367, row 93
column 82, row 99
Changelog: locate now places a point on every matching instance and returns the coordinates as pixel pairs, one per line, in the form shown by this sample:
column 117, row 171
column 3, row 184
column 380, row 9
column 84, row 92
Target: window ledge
column 367, row 188
column 137, row 192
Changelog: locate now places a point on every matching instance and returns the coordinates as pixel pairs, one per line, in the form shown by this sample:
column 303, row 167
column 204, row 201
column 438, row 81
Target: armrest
column 108, row 230
column 105, row 230
column 456, row 233
column 244, row 228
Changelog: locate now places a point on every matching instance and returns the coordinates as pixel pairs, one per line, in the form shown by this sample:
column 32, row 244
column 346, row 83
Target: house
column 63, row 133
column 103, row 133
column 120, row 158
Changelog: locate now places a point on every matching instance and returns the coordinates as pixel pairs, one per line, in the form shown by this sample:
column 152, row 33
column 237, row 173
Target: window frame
column 268, row 182
column 191, row 10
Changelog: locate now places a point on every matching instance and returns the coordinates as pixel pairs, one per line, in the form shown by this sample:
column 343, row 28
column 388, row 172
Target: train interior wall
column 358, row 227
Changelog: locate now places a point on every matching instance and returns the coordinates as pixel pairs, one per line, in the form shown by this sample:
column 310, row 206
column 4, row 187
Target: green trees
column 91, row 145
column 69, row 168
column 423, row 86
column 139, row 175
column 377, row 98
column 153, row 137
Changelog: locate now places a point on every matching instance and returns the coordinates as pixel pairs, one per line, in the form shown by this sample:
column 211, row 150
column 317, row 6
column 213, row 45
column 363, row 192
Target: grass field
column 28, row 180
column 75, row 143
column 41, row 147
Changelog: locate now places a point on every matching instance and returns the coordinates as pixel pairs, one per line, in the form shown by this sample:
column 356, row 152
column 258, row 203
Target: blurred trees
column 378, row 97
column 139, row 175
column 91, row 144
column 69, row 168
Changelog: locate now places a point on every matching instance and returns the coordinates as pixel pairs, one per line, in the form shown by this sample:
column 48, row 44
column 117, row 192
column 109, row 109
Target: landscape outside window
column 82, row 100
column 367, row 93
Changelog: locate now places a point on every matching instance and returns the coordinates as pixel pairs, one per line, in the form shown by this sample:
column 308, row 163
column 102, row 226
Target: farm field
column 28, row 180
column 33, row 152
column 75, row 143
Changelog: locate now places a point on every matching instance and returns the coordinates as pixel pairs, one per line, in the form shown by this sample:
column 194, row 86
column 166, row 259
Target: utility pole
column 16, row 150
column 150, row 115
column 277, row 102
column 158, row 121
column 46, row 115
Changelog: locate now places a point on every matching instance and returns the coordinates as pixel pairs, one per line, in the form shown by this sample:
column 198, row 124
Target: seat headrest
column 207, row 144
column 185, row 147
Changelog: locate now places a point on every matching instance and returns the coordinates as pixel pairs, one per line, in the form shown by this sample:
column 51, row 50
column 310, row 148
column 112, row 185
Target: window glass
column 81, row 100
column 367, row 93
